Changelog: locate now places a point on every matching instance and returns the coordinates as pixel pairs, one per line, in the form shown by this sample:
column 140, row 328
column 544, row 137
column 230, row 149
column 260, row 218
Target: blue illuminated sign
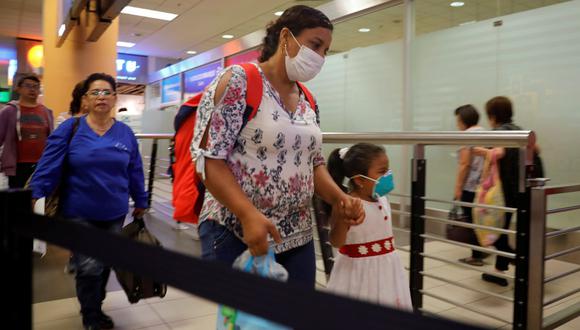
column 194, row 81
column 171, row 89
column 131, row 68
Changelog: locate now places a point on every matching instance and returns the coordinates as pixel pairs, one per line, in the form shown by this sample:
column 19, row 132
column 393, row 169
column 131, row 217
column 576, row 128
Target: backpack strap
column 254, row 90
column 310, row 100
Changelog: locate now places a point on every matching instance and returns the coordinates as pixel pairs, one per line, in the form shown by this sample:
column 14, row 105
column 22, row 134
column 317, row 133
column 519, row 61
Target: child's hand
column 351, row 210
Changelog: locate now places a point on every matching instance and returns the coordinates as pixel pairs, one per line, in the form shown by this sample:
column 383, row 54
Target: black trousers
column 92, row 275
column 23, row 172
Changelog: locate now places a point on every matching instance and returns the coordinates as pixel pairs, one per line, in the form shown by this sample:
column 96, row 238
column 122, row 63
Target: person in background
column 499, row 112
column 261, row 178
column 77, row 107
column 24, row 128
column 469, row 174
column 103, row 169
column 367, row 266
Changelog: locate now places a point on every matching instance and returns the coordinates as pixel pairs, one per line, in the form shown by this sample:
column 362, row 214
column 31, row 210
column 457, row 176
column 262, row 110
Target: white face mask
column 305, row 65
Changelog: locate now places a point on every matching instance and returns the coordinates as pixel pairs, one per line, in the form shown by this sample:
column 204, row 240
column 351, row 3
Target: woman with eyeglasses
column 96, row 160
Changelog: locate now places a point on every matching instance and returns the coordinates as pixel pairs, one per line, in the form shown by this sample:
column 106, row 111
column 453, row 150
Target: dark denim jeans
column 92, row 275
column 220, row 244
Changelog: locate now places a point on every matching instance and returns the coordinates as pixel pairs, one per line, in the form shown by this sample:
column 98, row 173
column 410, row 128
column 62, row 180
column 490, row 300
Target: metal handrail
column 562, row 253
column 464, row 306
column 562, row 189
column 560, row 232
column 559, row 276
column 563, row 209
column 470, row 246
column 467, row 287
column 513, row 139
column 459, row 203
column 562, row 296
column 469, row 225
column 462, row 265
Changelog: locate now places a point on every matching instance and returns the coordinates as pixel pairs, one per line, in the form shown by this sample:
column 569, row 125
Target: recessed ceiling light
column 364, row 30
column 61, row 30
column 279, row 13
column 130, row 10
column 125, row 44
column 228, row 36
column 191, row 52
column 457, row 4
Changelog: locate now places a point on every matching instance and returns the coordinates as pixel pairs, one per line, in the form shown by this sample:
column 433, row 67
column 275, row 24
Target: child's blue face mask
column 383, row 185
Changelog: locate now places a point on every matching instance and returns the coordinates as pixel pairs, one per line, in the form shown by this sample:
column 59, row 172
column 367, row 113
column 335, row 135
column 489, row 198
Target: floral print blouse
column 272, row 157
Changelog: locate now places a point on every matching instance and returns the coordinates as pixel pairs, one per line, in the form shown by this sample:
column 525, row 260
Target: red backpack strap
column 308, row 95
column 310, row 100
column 254, row 90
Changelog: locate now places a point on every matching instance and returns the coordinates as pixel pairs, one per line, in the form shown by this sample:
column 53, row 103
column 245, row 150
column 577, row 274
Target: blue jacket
column 100, row 173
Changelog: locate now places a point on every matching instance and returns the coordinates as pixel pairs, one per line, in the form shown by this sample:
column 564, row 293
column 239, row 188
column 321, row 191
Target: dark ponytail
column 296, row 19
column 336, row 168
column 77, row 95
column 357, row 160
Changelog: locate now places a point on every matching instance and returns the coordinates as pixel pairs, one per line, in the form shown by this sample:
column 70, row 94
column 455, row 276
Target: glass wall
column 360, row 86
column 530, row 56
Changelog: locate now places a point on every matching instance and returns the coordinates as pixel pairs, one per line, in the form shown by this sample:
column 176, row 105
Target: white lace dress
column 368, row 267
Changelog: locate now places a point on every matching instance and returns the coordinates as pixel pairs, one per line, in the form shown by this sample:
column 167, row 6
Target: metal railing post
column 520, row 309
column 152, row 163
column 537, row 243
column 418, row 166
column 16, row 258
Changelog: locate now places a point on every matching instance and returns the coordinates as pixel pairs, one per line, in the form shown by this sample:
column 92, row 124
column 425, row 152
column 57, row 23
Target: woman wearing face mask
column 367, row 266
column 261, row 175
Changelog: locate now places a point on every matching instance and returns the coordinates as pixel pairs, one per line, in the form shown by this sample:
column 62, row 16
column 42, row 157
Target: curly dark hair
column 77, row 95
column 296, row 19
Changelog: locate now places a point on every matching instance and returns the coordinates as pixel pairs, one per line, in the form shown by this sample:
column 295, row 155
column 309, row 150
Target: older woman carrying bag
column 97, row 163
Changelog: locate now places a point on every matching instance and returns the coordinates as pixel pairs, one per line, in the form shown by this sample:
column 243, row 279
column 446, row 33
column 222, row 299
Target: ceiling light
column 457, row 4
column 130, row 10
column 364, row 30
column 61, row 30
column 191, row 52
column 228, row 36
column 125, row 44
column 279, row 13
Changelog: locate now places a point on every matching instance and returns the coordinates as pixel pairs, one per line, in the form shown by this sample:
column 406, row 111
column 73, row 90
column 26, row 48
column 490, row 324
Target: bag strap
column 310, row 100
column 254, row 90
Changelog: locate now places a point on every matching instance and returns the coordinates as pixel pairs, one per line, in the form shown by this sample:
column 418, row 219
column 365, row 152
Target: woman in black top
column 499, row 113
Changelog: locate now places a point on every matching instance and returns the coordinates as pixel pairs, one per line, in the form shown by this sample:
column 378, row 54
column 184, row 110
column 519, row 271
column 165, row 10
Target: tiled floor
column 179, row 310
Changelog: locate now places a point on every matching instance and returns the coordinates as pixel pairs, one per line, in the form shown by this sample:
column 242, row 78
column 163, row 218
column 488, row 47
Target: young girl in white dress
column 367, row 266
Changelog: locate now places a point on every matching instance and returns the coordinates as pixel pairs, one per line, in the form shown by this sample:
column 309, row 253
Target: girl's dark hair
column 500, row 108
column 357, row 160
column 99, row 76
column 77, row 96
column 468, row 115
column 296, row 19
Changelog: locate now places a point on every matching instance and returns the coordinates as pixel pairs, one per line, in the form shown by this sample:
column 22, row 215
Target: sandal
column 472, row 261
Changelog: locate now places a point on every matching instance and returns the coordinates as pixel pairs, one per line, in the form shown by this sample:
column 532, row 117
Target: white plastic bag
column 266, row 266
column 3, row 181
column 39, row 246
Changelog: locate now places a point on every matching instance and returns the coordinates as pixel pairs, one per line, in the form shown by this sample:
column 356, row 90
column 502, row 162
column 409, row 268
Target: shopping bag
column 489, row 192
column 459, row 233
column 39, row 246
column 233, row 319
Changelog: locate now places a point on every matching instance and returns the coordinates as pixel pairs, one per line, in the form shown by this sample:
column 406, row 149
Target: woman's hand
column 350, row 209
column 256, row 228
column 139, row 212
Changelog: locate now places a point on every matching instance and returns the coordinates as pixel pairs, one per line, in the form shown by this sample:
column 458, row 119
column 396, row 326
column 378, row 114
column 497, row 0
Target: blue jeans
column 220, row 244
column 92, row 275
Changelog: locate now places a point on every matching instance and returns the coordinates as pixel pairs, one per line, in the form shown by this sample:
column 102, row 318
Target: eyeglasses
column 31, row 86
column 101, row 92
